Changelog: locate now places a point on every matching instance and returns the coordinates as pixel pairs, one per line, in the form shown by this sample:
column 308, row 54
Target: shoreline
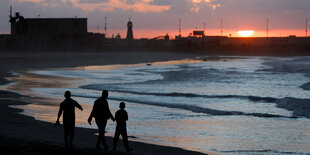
column 17, row 127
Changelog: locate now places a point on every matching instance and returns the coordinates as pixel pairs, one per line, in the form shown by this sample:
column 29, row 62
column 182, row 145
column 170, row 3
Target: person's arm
column 78, row 106
column 91, row 115
column 59, row 114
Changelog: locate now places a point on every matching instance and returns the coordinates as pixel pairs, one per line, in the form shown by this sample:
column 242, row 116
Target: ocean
column 224, row 105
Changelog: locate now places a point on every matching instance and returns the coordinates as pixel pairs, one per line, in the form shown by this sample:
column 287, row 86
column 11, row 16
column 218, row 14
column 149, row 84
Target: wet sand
column 21, row 134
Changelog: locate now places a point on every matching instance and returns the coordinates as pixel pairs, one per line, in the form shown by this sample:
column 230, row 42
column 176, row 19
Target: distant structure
column 129, row 30
column 165, row 37
column 180, row 29
column 47, row 26
column 306, row 27
column 98, row 29
column 267, row 28
column 199, row 33
column 50, row 34
column 221, row 26
column 105, row 26
column 204, row 26
column 118, row 36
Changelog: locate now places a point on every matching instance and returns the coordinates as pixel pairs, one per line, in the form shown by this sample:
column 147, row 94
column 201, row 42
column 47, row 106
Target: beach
column 176, row 102
column 22, row 134
column 176, row 77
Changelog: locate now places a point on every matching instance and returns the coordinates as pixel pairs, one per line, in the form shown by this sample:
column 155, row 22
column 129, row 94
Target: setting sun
column 246, row 33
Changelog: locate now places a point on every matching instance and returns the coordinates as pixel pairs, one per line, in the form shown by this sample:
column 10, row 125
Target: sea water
column 222, row 105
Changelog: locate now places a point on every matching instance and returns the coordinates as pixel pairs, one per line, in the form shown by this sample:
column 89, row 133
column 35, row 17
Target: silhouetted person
column 67, row 107
column 121, row 117
column 102, row 113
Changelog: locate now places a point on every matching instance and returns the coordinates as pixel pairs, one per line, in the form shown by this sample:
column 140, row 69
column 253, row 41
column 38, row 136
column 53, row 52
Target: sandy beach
column 21, row 134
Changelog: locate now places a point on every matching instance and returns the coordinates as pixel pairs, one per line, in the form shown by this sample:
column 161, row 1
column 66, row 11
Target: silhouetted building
column 198, row 33
column 129, row 30
column 47, row 26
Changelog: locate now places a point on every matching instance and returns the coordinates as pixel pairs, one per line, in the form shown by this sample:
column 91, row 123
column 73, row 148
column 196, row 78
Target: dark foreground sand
column 21, row 134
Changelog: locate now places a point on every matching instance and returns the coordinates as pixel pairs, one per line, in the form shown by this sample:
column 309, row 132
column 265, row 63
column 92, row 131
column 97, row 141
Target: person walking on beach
column 67, row 107
column 121, row 117
column 101, row 113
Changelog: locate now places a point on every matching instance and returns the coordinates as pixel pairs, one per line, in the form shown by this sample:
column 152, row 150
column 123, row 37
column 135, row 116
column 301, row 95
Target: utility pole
column 306, row 27
column 180, row 27
column 221, row 27
column 267, row 28
column 204, row 29
column 11, row 11
column 105, row 26
column 204, row 26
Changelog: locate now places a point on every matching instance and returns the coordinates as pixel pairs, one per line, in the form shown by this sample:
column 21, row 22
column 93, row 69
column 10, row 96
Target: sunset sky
column 152, row 18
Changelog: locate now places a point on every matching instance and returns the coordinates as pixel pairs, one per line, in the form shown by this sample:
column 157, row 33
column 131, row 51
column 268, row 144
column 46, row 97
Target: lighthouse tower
column 129, row 30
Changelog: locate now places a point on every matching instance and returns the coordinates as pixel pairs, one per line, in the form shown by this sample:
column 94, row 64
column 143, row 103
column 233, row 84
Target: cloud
column 163, row 2
column 129, row 1
column 92, row 1
column 283, row 14
column 197, row 4
column 47, row 8
column 110, row 5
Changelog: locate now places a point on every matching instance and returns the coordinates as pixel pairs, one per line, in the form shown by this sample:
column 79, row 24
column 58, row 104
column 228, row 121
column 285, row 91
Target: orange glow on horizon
column 152, row 33
column 246, row 33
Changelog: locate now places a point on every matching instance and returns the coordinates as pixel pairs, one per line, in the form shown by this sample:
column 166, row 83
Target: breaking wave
column 299, row 107
column 268, row 151
column 189, row 95
column 193, row 108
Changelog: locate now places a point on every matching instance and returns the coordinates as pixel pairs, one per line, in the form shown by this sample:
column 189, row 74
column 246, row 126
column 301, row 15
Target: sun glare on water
column 246, row 33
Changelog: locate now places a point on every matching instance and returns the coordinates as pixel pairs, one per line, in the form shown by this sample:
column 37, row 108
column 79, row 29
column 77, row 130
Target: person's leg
column 71, row 136
column 104, row 143
column 116, row 137
column 125, row 138
column 66, row 136
column 101, row 138
column 99, row 125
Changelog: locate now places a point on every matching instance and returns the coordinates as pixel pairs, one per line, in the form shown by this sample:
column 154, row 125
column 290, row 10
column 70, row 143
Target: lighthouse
column 129, row 30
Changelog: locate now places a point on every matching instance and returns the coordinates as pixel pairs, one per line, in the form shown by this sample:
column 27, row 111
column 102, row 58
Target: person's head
column 105, row 94
column 122, row 105
column 67, row 94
